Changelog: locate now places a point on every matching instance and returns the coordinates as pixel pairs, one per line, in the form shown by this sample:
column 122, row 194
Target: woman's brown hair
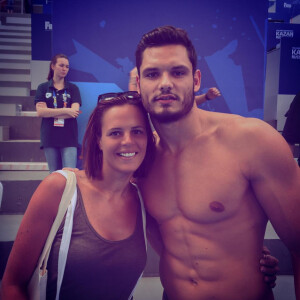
column 53, row 63
column 91, row 153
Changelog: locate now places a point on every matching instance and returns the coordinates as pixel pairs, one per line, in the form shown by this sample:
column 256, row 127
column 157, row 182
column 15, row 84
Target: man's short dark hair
column 162, row 36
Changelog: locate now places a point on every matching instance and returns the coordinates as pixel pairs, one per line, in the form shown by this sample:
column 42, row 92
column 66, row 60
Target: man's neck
column 176, row 135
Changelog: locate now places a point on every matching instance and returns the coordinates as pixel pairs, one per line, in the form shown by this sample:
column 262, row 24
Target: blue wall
column 100, row 38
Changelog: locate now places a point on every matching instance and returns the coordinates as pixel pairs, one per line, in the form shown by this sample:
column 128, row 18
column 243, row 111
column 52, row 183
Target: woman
column 57, row 102
column 107, row 249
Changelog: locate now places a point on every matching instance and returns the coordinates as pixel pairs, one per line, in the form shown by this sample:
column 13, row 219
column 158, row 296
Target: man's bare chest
column 201, row 189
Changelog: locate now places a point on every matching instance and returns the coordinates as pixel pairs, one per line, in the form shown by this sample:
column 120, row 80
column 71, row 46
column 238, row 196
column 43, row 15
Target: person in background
column 107, row 251
column 10, row 6
column 291, row 130
column 57, row 101
column 211, row 94
column 214, row 183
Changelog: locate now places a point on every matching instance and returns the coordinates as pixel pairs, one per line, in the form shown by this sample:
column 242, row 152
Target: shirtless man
column 216, row 180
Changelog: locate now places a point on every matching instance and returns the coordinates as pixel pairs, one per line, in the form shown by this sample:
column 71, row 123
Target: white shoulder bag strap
column 64, row 203
column 38, row 281
column 66, row 237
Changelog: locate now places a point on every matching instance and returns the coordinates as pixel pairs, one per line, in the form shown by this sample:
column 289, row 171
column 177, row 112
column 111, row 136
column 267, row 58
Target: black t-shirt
column 51, row 136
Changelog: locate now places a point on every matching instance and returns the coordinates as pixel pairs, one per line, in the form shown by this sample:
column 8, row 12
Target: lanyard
column 64, row 99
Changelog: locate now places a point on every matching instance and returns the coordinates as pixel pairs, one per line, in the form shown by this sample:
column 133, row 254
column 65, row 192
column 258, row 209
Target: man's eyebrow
column 150, row 70
column 175, row 68
column 179, row 67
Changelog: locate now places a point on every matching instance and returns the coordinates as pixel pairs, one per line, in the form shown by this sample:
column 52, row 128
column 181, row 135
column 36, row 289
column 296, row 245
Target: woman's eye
column 115, row 133
column 138, row 131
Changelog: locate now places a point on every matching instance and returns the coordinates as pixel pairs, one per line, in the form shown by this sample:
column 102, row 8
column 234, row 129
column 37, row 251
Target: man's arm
column 292, row 147
column 62, row 113
column 132, row 84
column 275, row 179
column 211, row 94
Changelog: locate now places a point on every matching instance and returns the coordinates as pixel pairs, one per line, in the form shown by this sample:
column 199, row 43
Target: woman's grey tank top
column 97, row 268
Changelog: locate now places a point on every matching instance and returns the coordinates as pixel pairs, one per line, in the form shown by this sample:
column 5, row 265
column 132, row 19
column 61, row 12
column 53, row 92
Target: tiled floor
column 149, row 288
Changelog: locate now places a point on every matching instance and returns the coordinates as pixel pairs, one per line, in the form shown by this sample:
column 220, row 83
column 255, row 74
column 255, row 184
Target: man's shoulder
column 255, row 127
column 254, row 134
column 235, row 128
column 233, row 122
column 236, row 120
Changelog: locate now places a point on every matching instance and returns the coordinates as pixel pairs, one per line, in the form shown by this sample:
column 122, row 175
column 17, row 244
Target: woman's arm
column 62, row 113
column 31, row 237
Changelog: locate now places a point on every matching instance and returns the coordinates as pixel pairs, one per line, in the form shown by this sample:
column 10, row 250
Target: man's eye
column 178, row 73
column 152, row 75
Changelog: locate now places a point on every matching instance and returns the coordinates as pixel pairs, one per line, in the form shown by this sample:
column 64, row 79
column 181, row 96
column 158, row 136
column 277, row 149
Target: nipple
column 216, row 206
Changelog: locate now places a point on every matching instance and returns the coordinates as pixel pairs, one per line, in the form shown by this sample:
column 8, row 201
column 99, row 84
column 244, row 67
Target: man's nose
column 166, row 82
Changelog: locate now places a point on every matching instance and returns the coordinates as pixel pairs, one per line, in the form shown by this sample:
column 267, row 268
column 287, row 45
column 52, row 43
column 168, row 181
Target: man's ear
column 197, row 80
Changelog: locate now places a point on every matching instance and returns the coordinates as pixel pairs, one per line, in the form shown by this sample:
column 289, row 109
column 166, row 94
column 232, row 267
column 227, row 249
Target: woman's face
column 124, row 139
column 61, row 68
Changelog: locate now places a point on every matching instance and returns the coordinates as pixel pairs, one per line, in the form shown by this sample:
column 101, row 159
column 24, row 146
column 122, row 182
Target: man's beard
column 169, row 117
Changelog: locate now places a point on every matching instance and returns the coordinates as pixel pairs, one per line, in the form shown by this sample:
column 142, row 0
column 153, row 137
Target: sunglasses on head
column 109, row 96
